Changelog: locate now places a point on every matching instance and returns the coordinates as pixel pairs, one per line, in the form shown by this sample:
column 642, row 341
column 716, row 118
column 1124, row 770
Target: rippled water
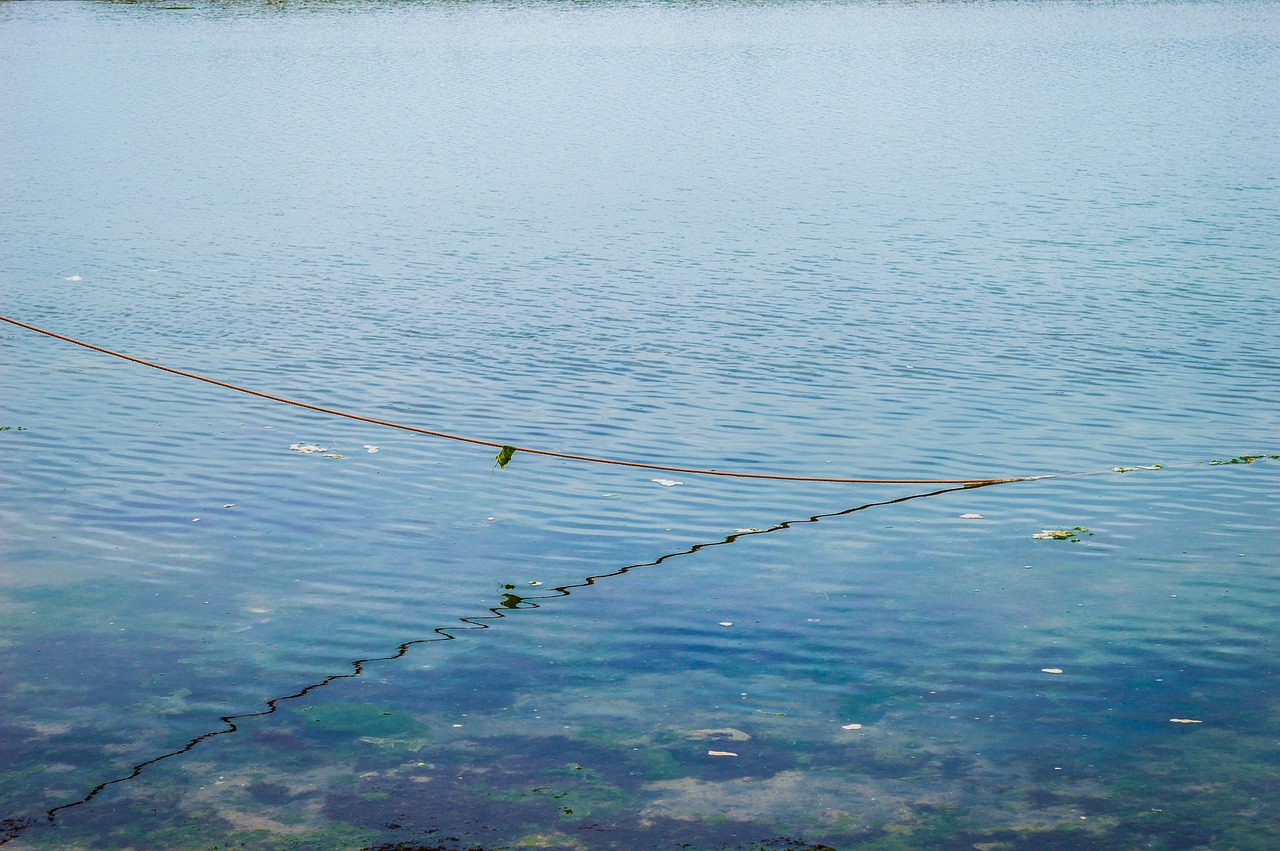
column 832, row 239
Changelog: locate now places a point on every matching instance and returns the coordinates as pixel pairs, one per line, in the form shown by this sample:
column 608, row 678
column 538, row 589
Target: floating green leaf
column 504, row 456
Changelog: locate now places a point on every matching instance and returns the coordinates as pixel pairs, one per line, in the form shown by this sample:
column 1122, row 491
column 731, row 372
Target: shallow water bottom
column 955, row 684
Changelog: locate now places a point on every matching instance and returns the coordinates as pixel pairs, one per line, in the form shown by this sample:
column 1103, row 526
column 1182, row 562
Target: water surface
column 834, row 239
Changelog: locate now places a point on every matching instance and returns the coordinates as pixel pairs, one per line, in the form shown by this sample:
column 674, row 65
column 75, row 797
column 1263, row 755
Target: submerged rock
column 719, row 734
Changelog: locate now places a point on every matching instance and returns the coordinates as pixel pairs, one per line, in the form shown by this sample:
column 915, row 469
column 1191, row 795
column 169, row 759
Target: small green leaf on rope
column 504, row 456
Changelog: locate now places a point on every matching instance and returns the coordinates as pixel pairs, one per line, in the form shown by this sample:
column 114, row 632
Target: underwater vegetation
column 347, row 774
column 505, row 749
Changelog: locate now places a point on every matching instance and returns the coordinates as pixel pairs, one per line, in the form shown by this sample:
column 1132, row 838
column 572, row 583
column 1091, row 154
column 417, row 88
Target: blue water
column 813, row 239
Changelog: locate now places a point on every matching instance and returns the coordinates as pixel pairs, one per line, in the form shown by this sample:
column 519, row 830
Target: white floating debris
column 535, row 584
column 970, row 516
column 332, row 455
column 667, row 483
column 850, row 726
column 609, row 495
column 721, row 753
column 229, row 505
column 1184, row 721
column 195, row 519
column 74, row 278
column 746, row 531
column 726, row 623
column 1073, row 534
column 370, row 448
column 491, row 519
column 1051, row 670
column 307, row 448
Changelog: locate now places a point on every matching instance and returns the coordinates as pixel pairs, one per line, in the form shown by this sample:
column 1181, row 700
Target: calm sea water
column 834, row 239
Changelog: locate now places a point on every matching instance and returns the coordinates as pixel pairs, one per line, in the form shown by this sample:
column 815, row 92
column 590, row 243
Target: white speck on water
column 726, row 623
column 229, row 505
column 970, row 516
column 1051, row 670
column 74, row 278
column 667, row 483
column 370, row 448
column 850, row 726
column 721, row 753
column 1184, row 721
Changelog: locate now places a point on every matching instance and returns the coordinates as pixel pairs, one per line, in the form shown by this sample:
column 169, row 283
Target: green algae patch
column 368, row 720
column 572, row 791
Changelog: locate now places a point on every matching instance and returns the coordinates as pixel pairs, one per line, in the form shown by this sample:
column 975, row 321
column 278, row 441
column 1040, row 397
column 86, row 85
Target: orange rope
column 494, row 444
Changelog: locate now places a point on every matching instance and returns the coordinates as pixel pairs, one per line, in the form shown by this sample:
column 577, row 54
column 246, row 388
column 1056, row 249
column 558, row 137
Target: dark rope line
column 12, row 828
column 493, row 444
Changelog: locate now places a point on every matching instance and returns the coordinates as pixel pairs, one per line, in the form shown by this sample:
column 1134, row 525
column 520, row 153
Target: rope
column 12, row 828
column 501, row 446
